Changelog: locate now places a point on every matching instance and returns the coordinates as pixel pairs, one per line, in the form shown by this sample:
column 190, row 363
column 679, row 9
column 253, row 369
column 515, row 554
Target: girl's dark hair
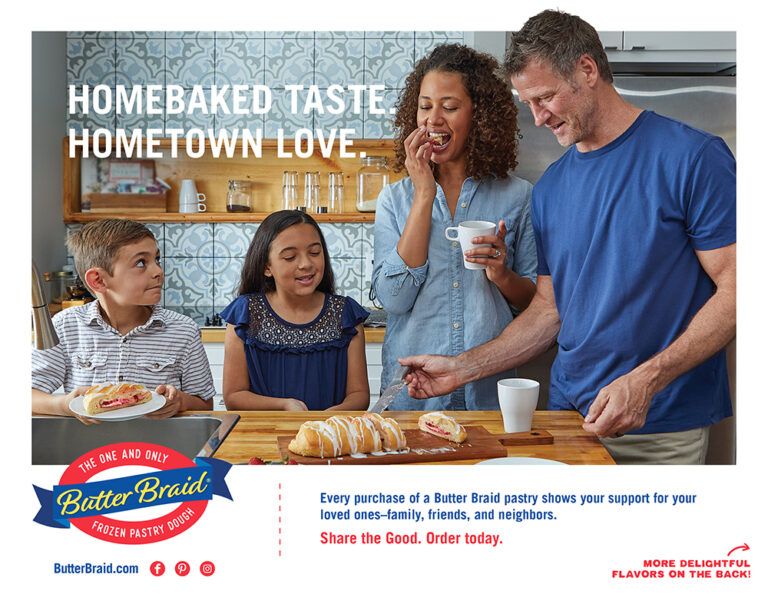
column 252, row 278
column 492, row 140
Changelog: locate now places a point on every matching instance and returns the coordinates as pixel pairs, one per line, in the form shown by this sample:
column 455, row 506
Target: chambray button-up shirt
column 441, row 307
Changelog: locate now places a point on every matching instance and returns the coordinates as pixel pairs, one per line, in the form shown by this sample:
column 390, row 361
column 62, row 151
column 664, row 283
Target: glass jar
column 58, row 283
column 77, row 294
column 371, row 179
column 239, row 196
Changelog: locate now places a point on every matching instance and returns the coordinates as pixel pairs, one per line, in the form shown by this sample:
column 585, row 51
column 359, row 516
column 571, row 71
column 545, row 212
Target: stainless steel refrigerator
column 705, row 102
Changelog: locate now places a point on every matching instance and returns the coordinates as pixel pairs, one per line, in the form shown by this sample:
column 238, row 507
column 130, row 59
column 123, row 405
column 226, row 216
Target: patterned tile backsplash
column 272, row 58
column 203, row 261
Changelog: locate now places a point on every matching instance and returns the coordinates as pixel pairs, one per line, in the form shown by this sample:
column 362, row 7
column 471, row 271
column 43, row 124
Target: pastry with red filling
column 105, row 397
column 440, row 424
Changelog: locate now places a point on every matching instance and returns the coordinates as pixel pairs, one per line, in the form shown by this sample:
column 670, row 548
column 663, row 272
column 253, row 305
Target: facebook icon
column 157, row 568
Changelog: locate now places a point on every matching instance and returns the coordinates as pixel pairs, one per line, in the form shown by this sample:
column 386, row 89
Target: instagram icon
column 207, row 568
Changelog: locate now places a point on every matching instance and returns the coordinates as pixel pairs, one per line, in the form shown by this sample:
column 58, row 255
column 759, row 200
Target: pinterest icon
column 207, row 568
column 182, row 568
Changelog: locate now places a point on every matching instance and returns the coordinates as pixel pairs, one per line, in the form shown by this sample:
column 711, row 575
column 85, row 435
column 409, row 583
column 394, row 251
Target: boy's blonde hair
column 96, row 244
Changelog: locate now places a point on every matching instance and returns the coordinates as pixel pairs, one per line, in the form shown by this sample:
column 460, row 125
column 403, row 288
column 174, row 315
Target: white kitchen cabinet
column 612, row 40
column 679, row 40
column 670, row 46
column 215, row 353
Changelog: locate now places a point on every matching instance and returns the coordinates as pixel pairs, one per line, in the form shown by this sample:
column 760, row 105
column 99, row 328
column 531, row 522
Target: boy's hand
column 79, row 391
column 173, row 402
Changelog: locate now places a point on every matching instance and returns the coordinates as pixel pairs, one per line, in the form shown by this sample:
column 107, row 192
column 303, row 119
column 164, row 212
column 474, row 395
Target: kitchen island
column 255, row 435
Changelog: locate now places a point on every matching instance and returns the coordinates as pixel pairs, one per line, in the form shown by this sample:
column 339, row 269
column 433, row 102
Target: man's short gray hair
column 559, row 39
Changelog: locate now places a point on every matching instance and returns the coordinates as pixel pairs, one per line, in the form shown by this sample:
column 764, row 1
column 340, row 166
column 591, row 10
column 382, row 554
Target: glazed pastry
column 105, row 397
column 440, row 424
column 340, row 435
column 370, row 441
column 316, row 439
column 392, row 436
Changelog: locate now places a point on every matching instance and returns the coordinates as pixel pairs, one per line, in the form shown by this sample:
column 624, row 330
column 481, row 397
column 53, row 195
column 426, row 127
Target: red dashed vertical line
column 279, row 520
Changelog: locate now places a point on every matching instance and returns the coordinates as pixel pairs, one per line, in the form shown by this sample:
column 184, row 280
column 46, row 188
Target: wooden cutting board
column 423, row 447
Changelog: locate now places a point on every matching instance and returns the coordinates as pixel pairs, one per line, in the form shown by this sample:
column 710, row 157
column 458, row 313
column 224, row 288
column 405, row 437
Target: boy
column 123, row 336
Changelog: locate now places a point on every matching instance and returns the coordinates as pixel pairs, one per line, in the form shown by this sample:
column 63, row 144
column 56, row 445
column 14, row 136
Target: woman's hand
column 495, row 268
column 418, row 152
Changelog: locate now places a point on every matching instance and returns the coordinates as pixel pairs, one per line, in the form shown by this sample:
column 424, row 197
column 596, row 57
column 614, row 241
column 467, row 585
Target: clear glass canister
column 239, row 196
column 58, row 283
column 371, row 179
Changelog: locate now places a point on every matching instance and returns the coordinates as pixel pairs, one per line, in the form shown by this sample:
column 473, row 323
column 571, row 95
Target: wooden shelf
column 212, row 217
column 212, row 174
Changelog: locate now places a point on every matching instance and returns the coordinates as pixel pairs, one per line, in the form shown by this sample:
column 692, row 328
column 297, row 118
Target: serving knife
column 391, row 391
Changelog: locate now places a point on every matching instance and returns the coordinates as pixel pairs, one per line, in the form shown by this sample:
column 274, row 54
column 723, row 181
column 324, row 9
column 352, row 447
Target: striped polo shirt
column 167, row 349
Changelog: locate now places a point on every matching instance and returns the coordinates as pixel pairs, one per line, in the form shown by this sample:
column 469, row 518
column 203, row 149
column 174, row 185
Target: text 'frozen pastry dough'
column 105, row 397
column 440, row 424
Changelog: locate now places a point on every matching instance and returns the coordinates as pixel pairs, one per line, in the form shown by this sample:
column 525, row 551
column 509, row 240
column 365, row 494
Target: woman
column 457, row 138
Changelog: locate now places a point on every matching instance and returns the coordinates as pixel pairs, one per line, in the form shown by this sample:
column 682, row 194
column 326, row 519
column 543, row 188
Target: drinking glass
column 290, row 194
column 311, row 191
column 336, row 192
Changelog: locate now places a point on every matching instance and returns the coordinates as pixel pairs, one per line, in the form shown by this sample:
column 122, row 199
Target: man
column 636, row 235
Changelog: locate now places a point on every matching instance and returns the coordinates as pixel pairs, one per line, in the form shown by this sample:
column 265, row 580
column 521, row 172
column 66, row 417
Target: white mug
column 189, row 198
column 468, row 230
column 517, row 400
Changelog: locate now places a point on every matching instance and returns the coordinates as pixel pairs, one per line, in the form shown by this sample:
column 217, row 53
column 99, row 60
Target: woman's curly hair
column 492, row 139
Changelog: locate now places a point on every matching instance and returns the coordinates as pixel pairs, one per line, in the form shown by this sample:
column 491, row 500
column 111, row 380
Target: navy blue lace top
column 303, row 361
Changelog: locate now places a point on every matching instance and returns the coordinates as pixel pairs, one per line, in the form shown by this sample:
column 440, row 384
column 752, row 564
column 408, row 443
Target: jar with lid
column 58, row 282
column 239, row 196
column 77, row 294
column 371, row 179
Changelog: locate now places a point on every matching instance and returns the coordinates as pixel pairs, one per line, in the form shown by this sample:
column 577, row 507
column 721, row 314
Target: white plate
column 121, row 414
column 521, row 461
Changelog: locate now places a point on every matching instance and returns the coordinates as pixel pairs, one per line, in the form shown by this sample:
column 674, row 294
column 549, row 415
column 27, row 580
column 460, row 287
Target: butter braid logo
column 82, row 504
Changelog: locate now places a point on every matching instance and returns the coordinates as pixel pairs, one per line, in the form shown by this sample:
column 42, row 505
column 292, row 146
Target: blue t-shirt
column 616, row 228
column 307, row 362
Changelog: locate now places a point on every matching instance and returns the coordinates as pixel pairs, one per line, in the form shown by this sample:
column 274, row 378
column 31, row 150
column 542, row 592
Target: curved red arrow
column 745, row 546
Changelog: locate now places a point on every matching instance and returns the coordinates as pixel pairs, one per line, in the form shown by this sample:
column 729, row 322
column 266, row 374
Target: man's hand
column 431, row 375
column 173, row 402
column 619, row 407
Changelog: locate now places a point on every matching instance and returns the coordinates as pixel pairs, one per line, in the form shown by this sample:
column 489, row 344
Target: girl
column 457, row 126
column 290, row 343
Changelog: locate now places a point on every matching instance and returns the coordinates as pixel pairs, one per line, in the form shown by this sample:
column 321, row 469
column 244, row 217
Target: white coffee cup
column 189, row 198
column 517, row 401
column 468, row 230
